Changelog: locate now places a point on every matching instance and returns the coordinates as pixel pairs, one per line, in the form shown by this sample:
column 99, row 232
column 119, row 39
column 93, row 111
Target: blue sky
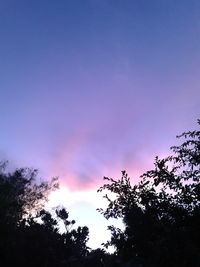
column 90, row 88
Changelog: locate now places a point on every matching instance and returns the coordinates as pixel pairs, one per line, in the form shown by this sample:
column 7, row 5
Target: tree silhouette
column 161, row 215
column 26, row 242
column 162, row 212
column 21, row 195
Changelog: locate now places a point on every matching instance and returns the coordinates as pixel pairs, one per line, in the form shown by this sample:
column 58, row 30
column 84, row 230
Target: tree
column 21, row 195
column 162, row 212
column 24, row 240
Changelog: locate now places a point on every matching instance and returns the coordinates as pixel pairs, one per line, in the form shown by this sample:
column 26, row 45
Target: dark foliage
column 162, row 212
column 161, row 215
column 23, row 240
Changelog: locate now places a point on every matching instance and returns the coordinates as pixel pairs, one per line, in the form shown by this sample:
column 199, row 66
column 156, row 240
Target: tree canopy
column 24, row 240
column 162, row 212
column 21, row 195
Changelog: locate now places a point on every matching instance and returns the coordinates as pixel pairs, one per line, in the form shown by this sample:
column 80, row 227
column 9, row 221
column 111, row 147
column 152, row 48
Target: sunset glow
column 82, row 207
column 90, row 88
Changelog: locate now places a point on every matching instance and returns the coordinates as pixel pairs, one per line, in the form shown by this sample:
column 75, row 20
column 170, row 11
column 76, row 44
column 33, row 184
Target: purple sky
column 90, row 88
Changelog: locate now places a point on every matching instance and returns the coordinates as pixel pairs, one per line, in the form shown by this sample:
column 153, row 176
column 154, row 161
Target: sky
column 89, row 88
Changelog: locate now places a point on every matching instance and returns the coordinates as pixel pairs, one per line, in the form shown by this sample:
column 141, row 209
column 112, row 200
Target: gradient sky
column 92, row 87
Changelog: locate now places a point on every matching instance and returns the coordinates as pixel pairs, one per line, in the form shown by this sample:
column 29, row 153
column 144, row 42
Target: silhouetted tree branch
column 162, row 212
